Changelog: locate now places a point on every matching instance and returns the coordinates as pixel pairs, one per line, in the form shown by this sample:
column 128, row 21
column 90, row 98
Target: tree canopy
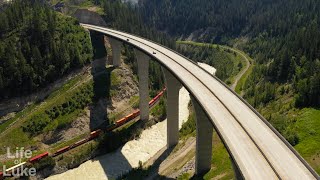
column 283, row 37
column 37, row 46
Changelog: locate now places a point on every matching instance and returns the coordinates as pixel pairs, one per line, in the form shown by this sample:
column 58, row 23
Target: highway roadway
column 259, row 151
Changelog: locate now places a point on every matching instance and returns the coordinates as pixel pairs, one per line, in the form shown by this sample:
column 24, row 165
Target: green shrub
column 159, row 111
column 291, row 135
column 47, row 162
column 36, row 124
column 189, row 126
column 77, row 101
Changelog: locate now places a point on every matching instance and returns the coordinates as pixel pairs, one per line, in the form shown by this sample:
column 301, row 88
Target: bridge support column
column 173, row 87
column 116, row 51
column 143, row 74
column 204, row 139
column 236, row 170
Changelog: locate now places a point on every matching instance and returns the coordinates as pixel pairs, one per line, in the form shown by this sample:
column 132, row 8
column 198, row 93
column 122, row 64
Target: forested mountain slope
column 283, row 36
column 211, row 16
column 38, row 46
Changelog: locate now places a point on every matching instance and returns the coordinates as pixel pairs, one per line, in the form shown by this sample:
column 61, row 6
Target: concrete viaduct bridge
column 257, row 150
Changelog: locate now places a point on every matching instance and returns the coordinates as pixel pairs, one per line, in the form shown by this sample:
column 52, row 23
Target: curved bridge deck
column 259, row 151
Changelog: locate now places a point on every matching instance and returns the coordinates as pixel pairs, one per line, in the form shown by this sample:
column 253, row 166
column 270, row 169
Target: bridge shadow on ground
column 153, row 171
column 115, row 163
column 118, row 163
column 101, row 84
column 101, row 97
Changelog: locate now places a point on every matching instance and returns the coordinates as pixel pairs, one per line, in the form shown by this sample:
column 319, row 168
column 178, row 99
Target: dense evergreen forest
column 37, row 47
column 124, row 17
column 286, row 47
column 282, row 36
column 216, row 20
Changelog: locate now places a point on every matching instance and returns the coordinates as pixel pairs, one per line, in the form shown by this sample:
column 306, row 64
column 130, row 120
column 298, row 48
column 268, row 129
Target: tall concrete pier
column 143, row 74
column 116, row 51
column 173, row 87
column 204, row 139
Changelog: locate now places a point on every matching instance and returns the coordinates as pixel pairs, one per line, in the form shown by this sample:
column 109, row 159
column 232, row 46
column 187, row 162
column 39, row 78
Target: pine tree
column 4, row 24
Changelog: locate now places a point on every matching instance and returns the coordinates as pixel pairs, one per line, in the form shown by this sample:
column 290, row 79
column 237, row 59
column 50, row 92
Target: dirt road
column 243, row 71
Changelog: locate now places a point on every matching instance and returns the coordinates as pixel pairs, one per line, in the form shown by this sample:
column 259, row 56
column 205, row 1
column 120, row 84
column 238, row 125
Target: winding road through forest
column 243, row 71
column 247, row 59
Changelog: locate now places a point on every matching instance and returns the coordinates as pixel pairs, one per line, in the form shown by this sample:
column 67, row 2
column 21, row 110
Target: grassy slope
column 53, row 99
column 17, row 137
column 304, row 123
column 221, row 167
column 308, row 127
column 34, row 107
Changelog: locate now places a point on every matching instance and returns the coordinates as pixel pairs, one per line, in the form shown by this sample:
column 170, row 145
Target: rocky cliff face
column 89, row 17
column 131, row 1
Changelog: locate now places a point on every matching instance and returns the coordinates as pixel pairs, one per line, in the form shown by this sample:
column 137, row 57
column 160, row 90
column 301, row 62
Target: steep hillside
column 86, row 102
column 37, row 47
